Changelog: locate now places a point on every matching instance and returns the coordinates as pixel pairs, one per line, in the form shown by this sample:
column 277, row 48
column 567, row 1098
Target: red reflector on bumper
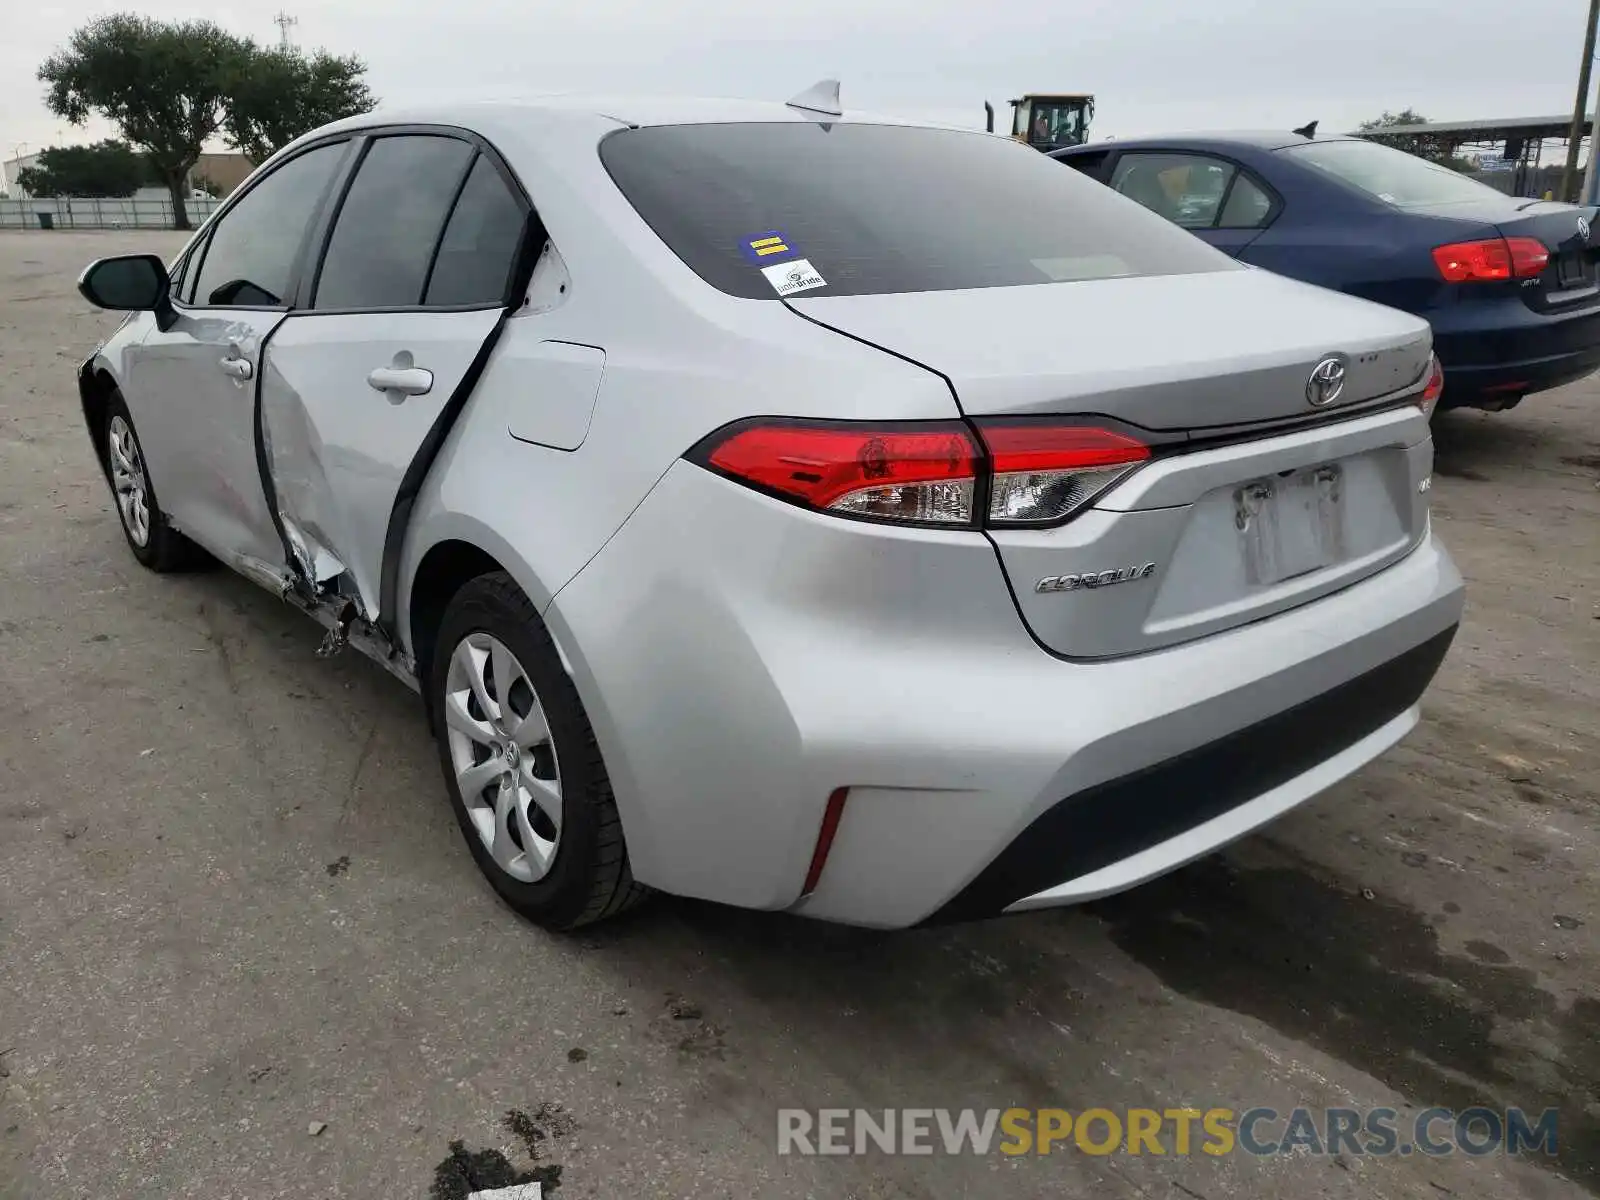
column 830, row 826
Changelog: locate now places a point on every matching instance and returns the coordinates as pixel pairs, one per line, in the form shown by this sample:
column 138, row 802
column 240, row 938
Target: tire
column 580, row 875
column 150, row 535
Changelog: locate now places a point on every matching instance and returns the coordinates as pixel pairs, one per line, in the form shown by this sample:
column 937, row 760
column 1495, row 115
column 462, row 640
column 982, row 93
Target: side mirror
column 126, row 283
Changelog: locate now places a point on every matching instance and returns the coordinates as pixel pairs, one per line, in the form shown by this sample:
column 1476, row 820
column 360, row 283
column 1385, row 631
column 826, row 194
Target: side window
column 1185, row 188
column 183, row 275
column 188, row 275
column 1089, row 164
column 1248, row 205
column 479, row 244
column 251, row 255
column 390, row 222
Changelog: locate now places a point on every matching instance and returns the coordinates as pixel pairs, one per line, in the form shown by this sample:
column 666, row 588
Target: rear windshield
column 763, row 210
column 1393, row 176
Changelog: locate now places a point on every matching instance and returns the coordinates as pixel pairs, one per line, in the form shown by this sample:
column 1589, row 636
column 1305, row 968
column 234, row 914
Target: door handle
column 407, row 381
column 239, row 368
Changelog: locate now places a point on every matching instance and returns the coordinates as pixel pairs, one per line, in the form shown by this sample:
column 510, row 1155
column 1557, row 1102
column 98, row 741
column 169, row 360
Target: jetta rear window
column 883, row 208
column 1391, row 175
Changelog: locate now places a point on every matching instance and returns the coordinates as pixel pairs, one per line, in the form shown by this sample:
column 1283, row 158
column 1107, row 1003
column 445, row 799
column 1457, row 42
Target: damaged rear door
column 362, row 383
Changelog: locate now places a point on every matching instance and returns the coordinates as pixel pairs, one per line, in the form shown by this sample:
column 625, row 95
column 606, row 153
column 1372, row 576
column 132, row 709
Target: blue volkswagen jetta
column 1508, row 284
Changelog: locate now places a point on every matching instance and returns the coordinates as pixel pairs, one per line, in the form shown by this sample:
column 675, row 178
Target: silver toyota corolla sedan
column 795, row 509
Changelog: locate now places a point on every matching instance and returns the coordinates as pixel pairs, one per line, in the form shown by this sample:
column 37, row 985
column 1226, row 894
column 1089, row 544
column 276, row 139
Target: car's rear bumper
column 742, row 659
column 1119, row 833
column 1519, row 353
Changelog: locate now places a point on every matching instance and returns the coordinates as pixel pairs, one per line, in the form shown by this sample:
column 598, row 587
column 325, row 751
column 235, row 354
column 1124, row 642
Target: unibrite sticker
column 796, row 276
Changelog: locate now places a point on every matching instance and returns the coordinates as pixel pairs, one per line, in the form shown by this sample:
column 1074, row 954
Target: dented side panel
column 196, row 421
column 347, row 400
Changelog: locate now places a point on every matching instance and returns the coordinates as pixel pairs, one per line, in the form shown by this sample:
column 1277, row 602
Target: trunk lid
column 1566, row 231
column 1570, row 280
column 1166, row 352
column 1221, row 527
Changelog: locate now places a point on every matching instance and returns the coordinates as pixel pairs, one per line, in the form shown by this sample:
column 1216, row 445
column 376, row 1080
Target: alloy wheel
column 129, row 482
column 503, row 756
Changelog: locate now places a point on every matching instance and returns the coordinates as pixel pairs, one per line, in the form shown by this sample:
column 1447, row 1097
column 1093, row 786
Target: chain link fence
column 1526, row 182
column 93, row 212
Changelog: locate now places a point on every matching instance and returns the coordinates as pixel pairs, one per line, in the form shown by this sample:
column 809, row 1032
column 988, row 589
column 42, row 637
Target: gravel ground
column 234, row 907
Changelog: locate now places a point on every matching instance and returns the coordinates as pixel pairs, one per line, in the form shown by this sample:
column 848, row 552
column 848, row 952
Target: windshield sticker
column 798, row 276
column 765, row 245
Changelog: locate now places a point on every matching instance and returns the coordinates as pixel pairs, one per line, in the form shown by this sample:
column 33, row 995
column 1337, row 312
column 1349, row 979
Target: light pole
column 1587, row 194
column 1569, row 174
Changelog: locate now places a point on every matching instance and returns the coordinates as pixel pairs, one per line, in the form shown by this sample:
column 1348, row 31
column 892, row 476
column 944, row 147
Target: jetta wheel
column 520, row 759
column 151, row 538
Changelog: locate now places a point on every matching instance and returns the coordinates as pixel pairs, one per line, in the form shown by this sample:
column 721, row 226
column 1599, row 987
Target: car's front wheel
column 151, row 538
column 520, row 759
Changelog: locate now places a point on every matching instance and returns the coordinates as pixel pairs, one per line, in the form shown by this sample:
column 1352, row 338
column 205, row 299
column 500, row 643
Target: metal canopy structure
column 1520, row 141
column 1496, row 129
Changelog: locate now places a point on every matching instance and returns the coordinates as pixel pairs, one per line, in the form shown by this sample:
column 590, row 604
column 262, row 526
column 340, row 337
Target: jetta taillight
column 926, row 473
column 1491, row 259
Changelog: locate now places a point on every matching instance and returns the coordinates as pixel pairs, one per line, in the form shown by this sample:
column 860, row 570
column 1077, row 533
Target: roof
column 519, row 119
column 625, row 110
column 1213, row 140
column 1489, row 130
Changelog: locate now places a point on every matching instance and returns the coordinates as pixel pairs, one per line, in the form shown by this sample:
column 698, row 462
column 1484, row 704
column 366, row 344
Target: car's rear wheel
column 520, row 759
column 150, row 536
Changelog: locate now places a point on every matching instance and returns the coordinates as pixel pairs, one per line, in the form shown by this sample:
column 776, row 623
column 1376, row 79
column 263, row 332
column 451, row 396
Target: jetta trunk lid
column 1569, row 280
column 1167, row 352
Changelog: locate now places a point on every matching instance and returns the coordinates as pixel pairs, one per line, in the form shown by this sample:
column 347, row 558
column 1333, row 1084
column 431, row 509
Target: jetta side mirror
column 126, row 283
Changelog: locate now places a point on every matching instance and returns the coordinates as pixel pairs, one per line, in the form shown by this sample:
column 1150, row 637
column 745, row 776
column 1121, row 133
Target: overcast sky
column 1153, row 64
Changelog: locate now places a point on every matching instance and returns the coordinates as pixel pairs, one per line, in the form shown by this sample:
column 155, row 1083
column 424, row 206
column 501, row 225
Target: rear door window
column 1187, row 189
column 389, row 225
column 763, row 209
column 480, row 243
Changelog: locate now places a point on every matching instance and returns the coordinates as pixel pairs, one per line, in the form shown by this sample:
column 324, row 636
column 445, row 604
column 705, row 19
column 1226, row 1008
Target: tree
column 280, row 93
column 1432, row 147
column 108, row 168
column 163, row 85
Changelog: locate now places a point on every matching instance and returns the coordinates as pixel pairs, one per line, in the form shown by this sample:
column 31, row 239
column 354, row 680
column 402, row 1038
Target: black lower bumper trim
column 1119, row 818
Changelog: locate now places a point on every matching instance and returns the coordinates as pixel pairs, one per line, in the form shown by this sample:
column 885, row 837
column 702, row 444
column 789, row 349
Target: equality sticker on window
column 790, row 277
column 764, row 246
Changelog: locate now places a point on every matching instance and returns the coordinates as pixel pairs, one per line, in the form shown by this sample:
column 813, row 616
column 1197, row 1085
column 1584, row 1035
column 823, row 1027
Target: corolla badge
column 1094, row 579
column 1326, row 382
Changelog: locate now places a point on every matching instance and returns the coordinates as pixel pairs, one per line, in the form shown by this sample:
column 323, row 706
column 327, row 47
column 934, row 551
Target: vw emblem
column 1583, row 229
column 1326, row 382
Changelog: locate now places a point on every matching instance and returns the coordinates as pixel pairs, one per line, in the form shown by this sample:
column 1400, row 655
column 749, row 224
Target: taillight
column 1043, row 473
column 1434, row 388
column 1529, row 257
column 1491, row 259
column 926, row 473
column 918, row 474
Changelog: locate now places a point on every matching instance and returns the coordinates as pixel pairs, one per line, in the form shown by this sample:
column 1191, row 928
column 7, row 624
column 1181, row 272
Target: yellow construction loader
column 1049, row 121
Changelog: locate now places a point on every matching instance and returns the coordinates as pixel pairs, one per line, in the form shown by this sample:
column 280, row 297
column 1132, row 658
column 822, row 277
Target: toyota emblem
column 1326, row 382
column 1583, row 229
